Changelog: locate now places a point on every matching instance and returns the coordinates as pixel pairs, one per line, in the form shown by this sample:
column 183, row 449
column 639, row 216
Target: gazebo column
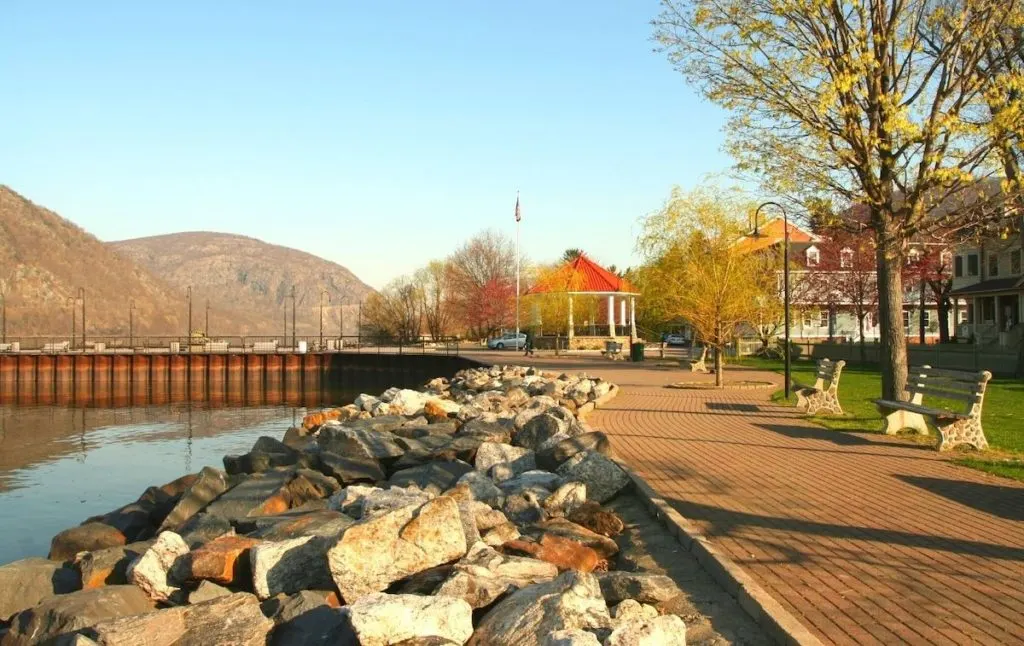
column 632, row 316
column 622, row 312
column 611, row 316
column 572, row 325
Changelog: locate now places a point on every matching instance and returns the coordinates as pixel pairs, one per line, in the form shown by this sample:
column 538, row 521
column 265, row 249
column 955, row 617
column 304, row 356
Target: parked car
column 675, row 339
column 507, row 340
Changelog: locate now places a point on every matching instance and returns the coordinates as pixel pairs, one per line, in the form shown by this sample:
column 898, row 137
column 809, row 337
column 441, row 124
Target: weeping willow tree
column 901, row 106
column 695, row 267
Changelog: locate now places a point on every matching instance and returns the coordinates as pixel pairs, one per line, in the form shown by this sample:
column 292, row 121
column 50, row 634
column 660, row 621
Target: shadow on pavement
column 998, row 500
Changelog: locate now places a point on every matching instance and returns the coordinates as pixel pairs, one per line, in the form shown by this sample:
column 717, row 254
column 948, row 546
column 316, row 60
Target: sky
column 378, row 135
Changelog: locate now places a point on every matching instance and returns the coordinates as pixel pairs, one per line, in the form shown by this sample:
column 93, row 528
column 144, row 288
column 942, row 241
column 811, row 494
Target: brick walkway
column 864, row 538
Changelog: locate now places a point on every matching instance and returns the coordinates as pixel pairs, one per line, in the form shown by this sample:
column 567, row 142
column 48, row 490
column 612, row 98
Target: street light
column 131, row 324
column 341, row 323
column 322, row 292
column 81, row 295
column 188, row 335
column 294, row 344
column 206, row 327
column 785, row 287
column 72, row 301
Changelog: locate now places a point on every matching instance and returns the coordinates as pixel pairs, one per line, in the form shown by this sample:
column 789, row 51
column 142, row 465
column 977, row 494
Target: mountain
column 244, row 274
column 45, row 259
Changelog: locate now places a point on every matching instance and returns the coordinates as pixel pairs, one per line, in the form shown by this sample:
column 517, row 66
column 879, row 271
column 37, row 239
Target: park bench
column 817, row 398
column 955, row 426
column 55, row 347
column 700, row 365
column 612, row 350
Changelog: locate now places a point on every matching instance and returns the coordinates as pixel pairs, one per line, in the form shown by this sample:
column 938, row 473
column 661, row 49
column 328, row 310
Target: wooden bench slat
column 923, row 410
column 970, row 398
column 972, row 386
column 959, row 375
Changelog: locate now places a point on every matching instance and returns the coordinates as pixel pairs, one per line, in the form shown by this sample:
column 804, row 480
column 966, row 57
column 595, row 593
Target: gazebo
column 584, row 277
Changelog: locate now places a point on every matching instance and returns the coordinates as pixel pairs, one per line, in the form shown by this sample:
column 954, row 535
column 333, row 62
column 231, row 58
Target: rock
column 531, row 479
column 408, row 402
column 467, row 515
column 384, row 619
column 209, row 484
column 203, row 528
column 500, row 534
column 27, row 582
column 308, row 486
column 292, row 524
column 483, row 488
column 68, row 613
column 485, row 517
column 591, row 516
column 488, row 429
column 459, row 447
column 562, row 552
column 308, row 619
column 290, row 566
column 571, row 601
column 84, row 538
column 476, row 586
column 365, row 402
column 349, row 500
column 107, row 566
column 520, row 571
column 347, row 441
column 424, row 583
column 604, row 546
column 492, row 453
column 207, row 590
column 433, row 477
column 550, row 457
column 566, row 499
column 257, row 495
column 318, row 418
column 222, row 560
column 438, row 410
column 574, row 637
column 298, row 438
column 642, row 587
column 537, row 406
column 632, row 610
column 372, row 554
column 266, row 454
column 602, row 476
column 383, row 500
column 150, row 571
column 538, row 430
column 234, row 619
column 660, row 631
column 524, row 509
column 138, row 520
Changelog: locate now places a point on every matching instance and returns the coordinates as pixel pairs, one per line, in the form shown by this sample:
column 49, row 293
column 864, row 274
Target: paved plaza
column 865, row 538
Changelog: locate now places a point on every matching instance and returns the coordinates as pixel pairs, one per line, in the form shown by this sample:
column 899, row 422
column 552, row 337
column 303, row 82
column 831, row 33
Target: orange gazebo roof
column 583, row 276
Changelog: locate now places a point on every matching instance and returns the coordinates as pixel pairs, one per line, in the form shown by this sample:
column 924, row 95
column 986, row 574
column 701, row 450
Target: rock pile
column 466, row 513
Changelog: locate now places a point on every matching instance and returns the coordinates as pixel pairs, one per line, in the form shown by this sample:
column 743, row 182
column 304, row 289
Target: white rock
column 366, row 402
column 394, row 497
column 518, row 459
column 631, row 610
column 380, row 409
column 667, row 630
column 407, row 402
column 383, row 619
column 565, row 499
column 574, row 637
column 389, row 394
column 482, row 487
column 602, row 476
column 289, row 566
column 150, row 570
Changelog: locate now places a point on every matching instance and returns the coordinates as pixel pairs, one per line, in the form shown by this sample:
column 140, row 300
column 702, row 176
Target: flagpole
column 517, row 269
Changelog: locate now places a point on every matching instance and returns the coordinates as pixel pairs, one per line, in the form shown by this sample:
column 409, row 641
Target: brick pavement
column 865, row 538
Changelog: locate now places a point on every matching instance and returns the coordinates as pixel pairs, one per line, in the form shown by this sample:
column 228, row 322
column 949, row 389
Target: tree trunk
column 860, row 324
column 719, row 379
column 943, row 307
column 893, row 341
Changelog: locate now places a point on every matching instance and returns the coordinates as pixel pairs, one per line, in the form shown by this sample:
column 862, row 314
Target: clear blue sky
column 375, row 134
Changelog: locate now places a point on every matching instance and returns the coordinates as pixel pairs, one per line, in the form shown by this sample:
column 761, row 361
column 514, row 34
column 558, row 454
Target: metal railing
column 231, row 344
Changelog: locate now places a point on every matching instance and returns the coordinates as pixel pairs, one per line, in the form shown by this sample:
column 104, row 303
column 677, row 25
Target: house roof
column 1010, row 284
column 773, row 233
column 583, row 275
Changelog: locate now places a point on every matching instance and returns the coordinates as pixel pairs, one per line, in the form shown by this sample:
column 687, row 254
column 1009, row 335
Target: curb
column 764, row 609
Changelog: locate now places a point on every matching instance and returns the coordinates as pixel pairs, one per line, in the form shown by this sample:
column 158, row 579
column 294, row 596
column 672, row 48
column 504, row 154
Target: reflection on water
column 60, row 465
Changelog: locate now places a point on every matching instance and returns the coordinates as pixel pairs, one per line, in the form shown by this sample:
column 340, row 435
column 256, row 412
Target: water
column 60, row 465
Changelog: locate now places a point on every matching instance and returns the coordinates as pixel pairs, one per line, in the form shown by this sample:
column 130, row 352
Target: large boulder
column 65, row 614
column 25, row 583
column 408, row 402
column 484, row 575
column 84, row 538
column 539, row 430
column 349, row 441
column 516, row 458
column 604, row 546
column 618, row 586
column 571, row 601
column 224, row 560
column 152, row 570
column 433, row 477
column 308, row 619
column 234, row 619
column 107, row 566
column 203, row 528
column 257, row 495
column 566, row 499
column 574, row 637
column 378, row 501
column 385, row 619
column 293, row 524
column 489, row 428
column 666, row 629
column 564, row 553
column 374, row 553
column 593, row 517
column 604, row 478
column 267, row 453
column 351, row 469
column 483, row 488
column 290, row 566
column 551, row 456
column 537, row 406
column 210, row 484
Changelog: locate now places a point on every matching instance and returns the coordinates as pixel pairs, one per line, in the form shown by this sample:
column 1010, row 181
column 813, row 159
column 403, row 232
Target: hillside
column 44, row 259
column 244, row 274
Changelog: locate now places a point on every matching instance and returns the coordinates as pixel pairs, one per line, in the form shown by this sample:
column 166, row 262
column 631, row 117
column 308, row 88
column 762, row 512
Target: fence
column 1001, row 362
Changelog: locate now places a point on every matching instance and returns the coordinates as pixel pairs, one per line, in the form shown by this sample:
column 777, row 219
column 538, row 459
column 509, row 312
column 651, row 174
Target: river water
column 61, row 464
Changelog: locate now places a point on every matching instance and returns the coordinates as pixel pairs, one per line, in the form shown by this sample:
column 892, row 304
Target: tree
column 572, row 254
column 930, row 269
column 482, row 281
column 846, row 275
column 434, row 282
column 873, row 102
column 395, row 312
column 696, row 270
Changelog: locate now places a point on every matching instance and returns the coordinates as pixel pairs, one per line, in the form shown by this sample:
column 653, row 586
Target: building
column 989, row 275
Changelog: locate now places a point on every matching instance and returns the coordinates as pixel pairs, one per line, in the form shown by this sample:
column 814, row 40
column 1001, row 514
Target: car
column 507, row 340
column 675, row 339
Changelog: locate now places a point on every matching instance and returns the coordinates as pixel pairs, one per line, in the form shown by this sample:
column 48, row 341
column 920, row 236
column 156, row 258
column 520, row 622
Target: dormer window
column 846, row 258
column 813, row 257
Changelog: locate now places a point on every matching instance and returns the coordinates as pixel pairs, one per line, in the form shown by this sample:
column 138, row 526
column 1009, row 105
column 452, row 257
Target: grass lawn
column 1001, row 416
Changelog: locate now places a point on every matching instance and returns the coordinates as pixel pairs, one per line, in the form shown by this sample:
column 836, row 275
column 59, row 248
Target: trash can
column 636, row 352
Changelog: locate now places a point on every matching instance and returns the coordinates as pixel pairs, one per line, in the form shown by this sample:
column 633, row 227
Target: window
column 813, row 257
column 824, row 319
column 927, row 318
column 906, row 321
column 993, row 265
column 946, row 258
column 846, row 258
column 913, row 256
column 958, row 270
column 807, row 320
column 972, row 264
column 1015, row 261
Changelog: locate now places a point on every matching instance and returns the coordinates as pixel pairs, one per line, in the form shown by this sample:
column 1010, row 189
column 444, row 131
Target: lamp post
column 81, row 295
column 72, row 301
column 785, row 288
column 341, row 323
column 206, row 327
column 188, row 335
column 322, row 293
column 294, row 344
column 131, row 323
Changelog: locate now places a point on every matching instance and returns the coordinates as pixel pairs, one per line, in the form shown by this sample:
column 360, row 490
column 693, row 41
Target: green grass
column 860, row 386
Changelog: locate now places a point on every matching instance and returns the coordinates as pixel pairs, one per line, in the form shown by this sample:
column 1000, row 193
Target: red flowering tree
column 929, row 270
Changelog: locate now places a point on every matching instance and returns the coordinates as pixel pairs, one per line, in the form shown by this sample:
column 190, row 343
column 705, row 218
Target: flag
column 518, row 214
